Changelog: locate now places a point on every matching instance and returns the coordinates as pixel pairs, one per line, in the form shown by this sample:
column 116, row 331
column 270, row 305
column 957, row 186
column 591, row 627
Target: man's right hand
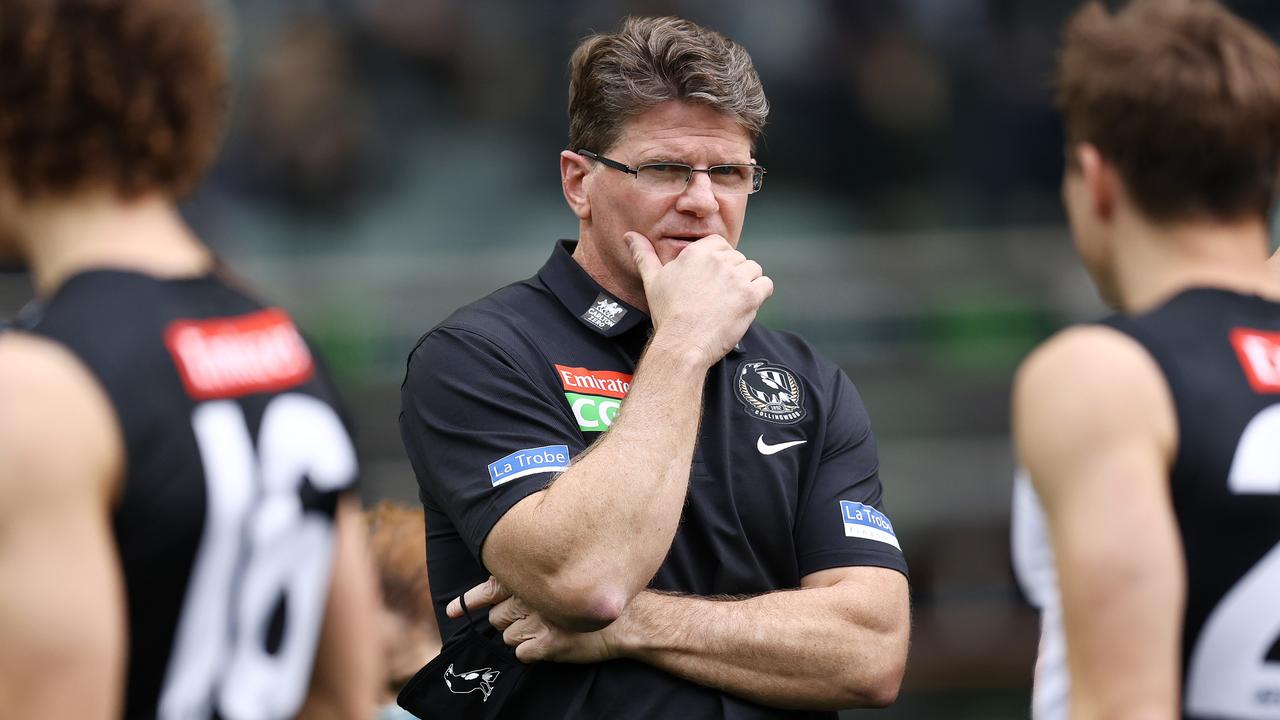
column 704, row 299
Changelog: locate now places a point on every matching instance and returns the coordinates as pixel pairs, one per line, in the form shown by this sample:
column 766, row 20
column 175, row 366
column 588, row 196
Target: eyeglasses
column 672, row 178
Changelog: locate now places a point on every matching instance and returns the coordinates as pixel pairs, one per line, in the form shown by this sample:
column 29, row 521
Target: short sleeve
column 841, row 521
column 480, row 432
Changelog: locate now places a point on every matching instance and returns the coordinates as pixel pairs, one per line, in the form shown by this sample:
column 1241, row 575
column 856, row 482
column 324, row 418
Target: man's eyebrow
column 656, row 158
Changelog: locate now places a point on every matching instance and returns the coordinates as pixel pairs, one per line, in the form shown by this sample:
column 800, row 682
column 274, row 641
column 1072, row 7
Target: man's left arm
column 839, row 641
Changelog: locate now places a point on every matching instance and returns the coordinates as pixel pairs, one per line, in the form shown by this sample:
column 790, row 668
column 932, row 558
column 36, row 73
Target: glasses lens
column 733, row 179
column 663, row 177
column 674, row 177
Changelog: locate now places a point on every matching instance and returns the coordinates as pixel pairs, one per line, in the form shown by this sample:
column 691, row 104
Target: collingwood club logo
column 605, row 312
column 770, row 392
column 471, row 680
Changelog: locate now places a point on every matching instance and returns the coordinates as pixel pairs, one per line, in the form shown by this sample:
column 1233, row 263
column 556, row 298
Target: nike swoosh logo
column 767, row 449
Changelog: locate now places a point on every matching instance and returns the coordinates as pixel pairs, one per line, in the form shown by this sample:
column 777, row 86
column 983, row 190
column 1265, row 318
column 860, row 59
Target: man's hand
column 486, row 594
column 535, row 638
column 705, row 298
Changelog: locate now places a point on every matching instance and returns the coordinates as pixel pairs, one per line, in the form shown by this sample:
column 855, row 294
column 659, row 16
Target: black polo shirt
column 502, row 395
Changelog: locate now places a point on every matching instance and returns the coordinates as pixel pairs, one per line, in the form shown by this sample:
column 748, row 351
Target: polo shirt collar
column 585, row 299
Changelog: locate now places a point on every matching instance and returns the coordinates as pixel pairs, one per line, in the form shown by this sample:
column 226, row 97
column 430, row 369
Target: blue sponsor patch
column 551, row 458
column 864, row 521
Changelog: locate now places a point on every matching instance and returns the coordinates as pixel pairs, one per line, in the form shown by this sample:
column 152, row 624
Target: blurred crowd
column 911, row 114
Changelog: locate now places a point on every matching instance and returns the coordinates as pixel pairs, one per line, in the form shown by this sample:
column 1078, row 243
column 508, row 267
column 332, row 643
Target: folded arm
column 839, row 641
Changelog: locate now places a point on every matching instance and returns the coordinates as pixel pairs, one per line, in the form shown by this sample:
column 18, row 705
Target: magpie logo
column 471, row 680
column 770, row 392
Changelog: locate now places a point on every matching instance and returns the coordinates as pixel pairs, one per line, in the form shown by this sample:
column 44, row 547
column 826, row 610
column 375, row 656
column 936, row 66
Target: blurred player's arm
column 1096, row 428
column 348, row 668
column 62, row 611
column 1274, row 264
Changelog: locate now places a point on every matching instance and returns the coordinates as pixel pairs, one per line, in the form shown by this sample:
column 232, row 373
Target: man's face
column 406, row 646
column 675, row 132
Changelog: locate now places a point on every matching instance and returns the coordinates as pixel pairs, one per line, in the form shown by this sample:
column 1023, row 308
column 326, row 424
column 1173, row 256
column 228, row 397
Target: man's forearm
column 805, row 649
column 601, row 530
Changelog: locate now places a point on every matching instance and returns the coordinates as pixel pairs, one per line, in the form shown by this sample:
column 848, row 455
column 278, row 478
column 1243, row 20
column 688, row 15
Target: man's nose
column 699, row 197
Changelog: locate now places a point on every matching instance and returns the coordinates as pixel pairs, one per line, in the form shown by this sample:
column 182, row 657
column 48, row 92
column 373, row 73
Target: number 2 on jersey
column 1228, row 674
column 259, row 549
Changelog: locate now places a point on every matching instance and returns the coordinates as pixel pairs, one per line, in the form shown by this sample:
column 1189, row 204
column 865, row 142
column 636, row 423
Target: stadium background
column 389, row 160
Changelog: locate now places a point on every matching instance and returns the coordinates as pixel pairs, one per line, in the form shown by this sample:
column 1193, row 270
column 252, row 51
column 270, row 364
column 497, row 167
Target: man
column 622, row 448
column 1151, row 437
column 179, row 537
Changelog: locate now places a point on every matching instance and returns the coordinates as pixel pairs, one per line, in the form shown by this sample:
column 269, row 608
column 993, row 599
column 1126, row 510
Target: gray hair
column 614, row 77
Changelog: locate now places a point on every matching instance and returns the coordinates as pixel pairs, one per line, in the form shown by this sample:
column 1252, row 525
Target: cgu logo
column 593, row 412
column 595, row 396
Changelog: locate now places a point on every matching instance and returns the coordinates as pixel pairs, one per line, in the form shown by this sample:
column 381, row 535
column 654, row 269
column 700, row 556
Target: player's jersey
column 235, row 461
column 1219, row 351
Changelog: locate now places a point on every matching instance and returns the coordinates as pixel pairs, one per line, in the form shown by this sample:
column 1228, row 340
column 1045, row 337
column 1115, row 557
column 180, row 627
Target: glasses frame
column 757, row 179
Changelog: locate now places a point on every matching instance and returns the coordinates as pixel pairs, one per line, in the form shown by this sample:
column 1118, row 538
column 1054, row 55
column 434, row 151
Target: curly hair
column 613, row 77
column 397, row 541
column 119, row 95
column 1184, row 98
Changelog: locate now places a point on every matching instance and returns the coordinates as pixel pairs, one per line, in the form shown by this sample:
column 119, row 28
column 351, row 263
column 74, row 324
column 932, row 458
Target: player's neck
column 1154, row 264
column 97, row 231
column 587, row 254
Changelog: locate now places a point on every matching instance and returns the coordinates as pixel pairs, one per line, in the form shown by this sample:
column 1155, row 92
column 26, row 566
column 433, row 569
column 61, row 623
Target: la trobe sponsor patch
column 530, row 461
column 864, row 521
column 770, row 392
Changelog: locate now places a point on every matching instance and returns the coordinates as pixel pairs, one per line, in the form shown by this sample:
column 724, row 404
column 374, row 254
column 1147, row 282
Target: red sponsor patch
column 1259, row 354
column 230, row 357
column 594, row 382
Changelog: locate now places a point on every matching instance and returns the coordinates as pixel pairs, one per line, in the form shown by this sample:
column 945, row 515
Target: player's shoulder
column 56, row 421
column 1094, row 361
column 30, row 363
column 1088, row 380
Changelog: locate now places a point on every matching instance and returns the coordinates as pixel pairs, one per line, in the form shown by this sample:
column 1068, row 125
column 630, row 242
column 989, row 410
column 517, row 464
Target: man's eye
column 667, row 169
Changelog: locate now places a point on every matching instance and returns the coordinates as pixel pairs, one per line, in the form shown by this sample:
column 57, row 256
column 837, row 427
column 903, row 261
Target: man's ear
column 1100, row 180
column 574, row 170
